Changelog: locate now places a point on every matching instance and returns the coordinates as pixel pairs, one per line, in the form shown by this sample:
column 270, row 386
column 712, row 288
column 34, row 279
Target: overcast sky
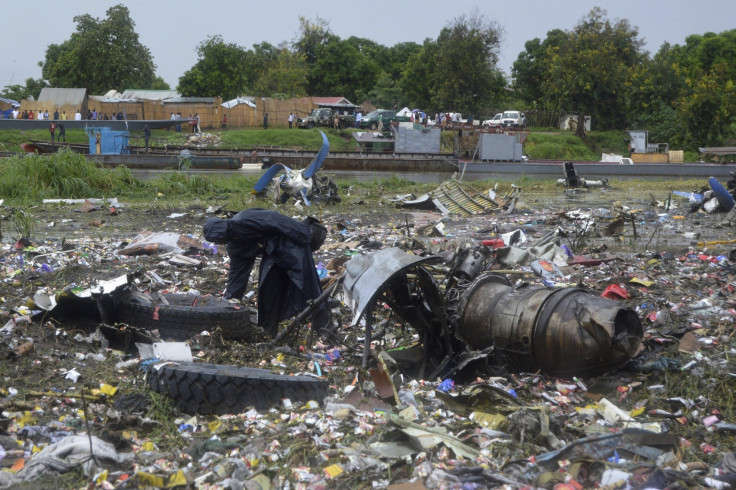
column 173, row 29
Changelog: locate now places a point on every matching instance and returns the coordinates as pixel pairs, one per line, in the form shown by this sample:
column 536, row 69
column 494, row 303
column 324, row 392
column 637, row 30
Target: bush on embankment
column 65, row 175
column 557, row 146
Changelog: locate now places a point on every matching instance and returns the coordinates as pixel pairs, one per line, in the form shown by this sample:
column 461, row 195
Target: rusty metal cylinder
column 562, row 332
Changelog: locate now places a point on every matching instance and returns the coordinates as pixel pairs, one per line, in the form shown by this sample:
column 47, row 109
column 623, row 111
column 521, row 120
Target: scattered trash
column 469, row 350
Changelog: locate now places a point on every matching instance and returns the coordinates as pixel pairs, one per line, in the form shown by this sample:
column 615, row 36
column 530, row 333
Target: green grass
column 563, row 146
column 63, row 175
column 308, row 139
column 292, row 138
column 166, row 434
column 610, row 142
column 10, row 139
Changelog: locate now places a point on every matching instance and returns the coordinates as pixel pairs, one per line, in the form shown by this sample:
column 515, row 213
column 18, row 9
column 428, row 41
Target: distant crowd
column 44, row 114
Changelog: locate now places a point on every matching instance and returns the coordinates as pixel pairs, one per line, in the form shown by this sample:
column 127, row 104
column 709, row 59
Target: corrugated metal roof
column 149, row 94
column 62, row 96
column 105, row 98
column 333, row 102
column 194, row 100
column 12, row 102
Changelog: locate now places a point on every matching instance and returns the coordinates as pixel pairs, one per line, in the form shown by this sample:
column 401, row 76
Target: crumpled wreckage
column 718, row 198
column 456, row 198
column 482, row 322
column 573, row 181
column 302, row 185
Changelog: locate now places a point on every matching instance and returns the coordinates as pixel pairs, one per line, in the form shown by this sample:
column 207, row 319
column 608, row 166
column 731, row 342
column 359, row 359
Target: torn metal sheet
column 48, row 301
column 97, row 303
column 361, row 289
column 425, row 201
column 511, row 256
column 429, row 437
column 165, row 351
column 603, row 446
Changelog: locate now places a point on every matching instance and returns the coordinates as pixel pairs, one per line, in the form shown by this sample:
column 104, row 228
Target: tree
column 312, row 35
column 708, row 110
column 419, row 76
column 398, row 56
column 286, row 75
column 531, row 66
column 341, row 69
column 159, row 84
column 221, row 70
column 706, row 103
column 588, row 72
column 102, row 54
column 465, row 76
column 386, row 92
column 653, row 90
column 31, row 89
column 702, row 52
column 661, row 121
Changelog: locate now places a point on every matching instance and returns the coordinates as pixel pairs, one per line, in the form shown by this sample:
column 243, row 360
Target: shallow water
column 420, row 177
column 657, row 228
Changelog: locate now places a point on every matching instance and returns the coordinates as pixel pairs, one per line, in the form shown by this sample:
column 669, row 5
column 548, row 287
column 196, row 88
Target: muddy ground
column 71, row 247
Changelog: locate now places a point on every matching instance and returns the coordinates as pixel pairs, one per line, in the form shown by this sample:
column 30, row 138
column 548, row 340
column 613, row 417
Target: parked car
column 513, row 119
column 496, row 121
column 370, row 120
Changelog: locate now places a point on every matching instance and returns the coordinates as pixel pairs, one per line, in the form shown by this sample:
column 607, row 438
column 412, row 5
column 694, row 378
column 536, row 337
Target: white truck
column 496, row 121
column 513, row 119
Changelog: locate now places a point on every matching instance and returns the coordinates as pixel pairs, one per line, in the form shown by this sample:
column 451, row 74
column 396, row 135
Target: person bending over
column 287, row 277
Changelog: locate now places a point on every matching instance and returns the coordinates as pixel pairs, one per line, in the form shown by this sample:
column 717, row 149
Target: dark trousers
column 272, row 301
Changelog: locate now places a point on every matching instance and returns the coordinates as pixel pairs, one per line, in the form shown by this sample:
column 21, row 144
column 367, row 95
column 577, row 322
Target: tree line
column 683, row 94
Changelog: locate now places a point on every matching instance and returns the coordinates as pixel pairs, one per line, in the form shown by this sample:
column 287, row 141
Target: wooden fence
column 210, row 114
column 542, row 118
column 35, row 106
